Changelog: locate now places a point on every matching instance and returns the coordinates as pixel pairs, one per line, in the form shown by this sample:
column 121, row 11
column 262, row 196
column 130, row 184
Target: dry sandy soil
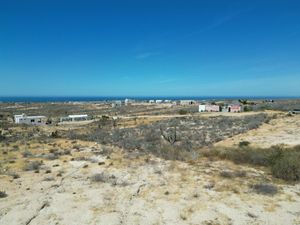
column 132, row 188
column 284, row 130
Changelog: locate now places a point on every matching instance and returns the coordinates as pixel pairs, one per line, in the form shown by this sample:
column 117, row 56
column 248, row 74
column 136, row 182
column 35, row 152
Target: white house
column 158, row 101
column 30, row 120
column 209, row 108
column 235, row 108
column 201, row 108
column 187, row 102
column 129, row 101
column 116, row 104
column 296, row 111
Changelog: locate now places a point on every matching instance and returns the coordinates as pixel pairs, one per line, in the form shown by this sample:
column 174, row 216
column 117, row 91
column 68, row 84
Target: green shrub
column 50, row 156
column 287, row 167
column 284, row 163
column 34, row 165
column 16, row 147
column 245, row 155
column 265, row 189
column 248, row 108
column 27, row 154
column 3, row 194
column 244, row 143
column 232, row 174
column 226, row 174
column 14, row 175
column 182, row 112
column 55, row 134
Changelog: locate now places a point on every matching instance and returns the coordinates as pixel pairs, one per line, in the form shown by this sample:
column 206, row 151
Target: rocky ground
column 128, row 188
column 97, row 184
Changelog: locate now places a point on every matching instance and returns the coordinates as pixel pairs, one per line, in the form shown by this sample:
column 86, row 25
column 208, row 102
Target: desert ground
column 128, row 170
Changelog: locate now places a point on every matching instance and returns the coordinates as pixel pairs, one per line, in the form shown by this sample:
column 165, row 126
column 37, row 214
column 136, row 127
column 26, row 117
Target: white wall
column 30, row 120
column 201, row 108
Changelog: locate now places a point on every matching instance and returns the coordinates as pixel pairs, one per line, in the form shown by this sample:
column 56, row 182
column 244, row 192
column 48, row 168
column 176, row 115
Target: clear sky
column 150, row 48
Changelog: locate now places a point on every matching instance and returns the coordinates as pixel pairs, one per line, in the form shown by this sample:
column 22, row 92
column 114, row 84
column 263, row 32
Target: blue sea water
column 141, row 98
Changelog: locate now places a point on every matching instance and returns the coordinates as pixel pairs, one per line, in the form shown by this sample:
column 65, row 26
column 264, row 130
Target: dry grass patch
column 32, row 166
column 283, row 162
column 264, row 188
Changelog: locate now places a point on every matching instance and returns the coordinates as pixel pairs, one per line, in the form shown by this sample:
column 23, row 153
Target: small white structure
column 201, row 108
column 296, row 111
column 73, row 118
column 18, row 117
column 235, row 108
column 116, row 104
column 158, row 101
column 129, row 101
column 30, row 120
column 224, row 108
column 209, row 108
column 187, row 102
column 151, row 101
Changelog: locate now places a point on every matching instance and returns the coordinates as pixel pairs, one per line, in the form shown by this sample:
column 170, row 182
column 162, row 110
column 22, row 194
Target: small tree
column 182, row 112
column 170, row 137
column 2, row 137
column 103, row 121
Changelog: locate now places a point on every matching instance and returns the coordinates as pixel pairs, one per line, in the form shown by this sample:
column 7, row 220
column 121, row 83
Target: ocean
column 139, row 98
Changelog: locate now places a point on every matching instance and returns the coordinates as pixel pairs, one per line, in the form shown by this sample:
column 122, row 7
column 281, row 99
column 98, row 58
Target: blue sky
column 150, row 48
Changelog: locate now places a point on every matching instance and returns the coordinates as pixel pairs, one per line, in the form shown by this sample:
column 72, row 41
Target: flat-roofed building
column 201, row 108
column 235, row 108
column 116, row 104
column 296, row 111
column 209, row 108
column 212, row 108
column 30, row 120
column 129, row 101
column 187, row 102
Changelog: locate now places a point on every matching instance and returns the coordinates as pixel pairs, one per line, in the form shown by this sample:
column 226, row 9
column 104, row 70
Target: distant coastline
column 29, row 99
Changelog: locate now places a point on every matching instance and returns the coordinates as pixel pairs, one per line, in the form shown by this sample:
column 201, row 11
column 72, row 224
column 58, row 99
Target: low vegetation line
column 283, row 162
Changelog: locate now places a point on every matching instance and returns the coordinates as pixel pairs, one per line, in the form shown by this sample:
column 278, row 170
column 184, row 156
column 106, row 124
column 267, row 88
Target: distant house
column 30, row 120
column 187, row 102
column 212, row 108
column 296, row 111
column 235, row 108
column 74, row 118
column 209, row 108
column 129, row 101
column 224, row 109
column 116, row 104
column 202, row 108
column 158, row 101
column 151, row 101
